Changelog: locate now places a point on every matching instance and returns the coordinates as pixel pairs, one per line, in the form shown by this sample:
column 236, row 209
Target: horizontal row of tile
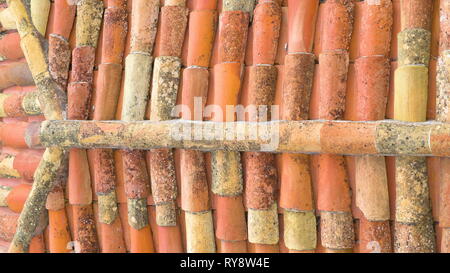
column 355, row 52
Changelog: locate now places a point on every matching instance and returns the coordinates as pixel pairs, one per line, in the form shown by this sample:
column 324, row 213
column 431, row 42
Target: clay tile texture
column 219, row 126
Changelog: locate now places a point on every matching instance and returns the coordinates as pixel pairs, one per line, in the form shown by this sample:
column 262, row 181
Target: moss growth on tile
column 412, row 191
column 3, row 98
column 336, row 229
column 163, row 176
column 39, row 10
column 89, row 20
column 226, row 173
column 166, row 79
column 7, row 166
column 59, row 134
column 107, row 207
column 4, row 191
column 300, row 230
column 104, row 171
column 414, row 47
column 138, row 69
column 415, row 238
column 166, row 214
column 263, row 226
column 137, row 213
column 243, row 5
column 84, row 230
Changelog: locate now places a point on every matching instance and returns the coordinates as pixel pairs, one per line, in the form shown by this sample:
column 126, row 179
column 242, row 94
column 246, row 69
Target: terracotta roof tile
column 135, row 60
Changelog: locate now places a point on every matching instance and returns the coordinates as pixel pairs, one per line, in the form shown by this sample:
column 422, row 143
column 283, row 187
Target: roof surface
column 320, row 60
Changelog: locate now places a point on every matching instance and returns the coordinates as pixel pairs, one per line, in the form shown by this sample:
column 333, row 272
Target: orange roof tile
column 335, row 61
